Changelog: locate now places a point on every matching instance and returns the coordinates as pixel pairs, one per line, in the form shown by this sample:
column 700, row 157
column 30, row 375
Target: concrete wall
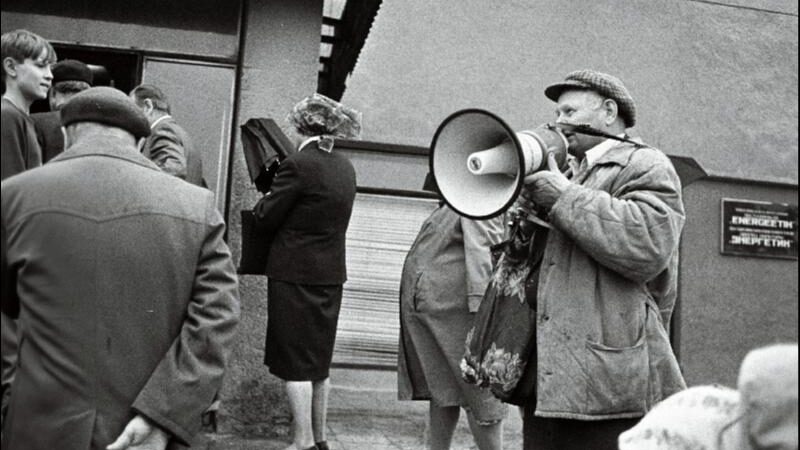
column 279, row 68
column 711, row 81
column 729, row 304
column 136, row 36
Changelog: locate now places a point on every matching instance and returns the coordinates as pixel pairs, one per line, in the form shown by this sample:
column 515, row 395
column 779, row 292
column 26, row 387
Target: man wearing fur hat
column 124, row 288
column 70, row 76
column 607, row 282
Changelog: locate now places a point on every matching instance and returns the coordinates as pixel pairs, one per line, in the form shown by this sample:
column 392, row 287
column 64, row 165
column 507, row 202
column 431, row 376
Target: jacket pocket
column 665, row 376
column 617, row 377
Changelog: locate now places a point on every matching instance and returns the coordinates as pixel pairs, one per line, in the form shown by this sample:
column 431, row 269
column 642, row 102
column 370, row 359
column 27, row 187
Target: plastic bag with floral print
column 501, row 341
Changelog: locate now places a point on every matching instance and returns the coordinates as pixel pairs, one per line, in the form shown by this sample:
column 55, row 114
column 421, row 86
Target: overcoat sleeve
column 184, row 383
column 479, row 236
column 633, row 230
column 272, row 209
column 9, row 303
column 166, row 150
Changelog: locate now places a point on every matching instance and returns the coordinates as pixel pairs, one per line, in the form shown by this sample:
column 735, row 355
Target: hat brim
column 554, row 91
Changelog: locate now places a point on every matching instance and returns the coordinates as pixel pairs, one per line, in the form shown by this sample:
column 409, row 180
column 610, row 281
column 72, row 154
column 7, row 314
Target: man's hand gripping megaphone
column 542, row 189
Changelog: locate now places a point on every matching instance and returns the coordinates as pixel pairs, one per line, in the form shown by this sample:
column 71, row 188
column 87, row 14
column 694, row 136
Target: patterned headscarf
column 318, row 115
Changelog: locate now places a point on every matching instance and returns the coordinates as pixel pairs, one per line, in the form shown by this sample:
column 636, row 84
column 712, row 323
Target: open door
column 201, row 96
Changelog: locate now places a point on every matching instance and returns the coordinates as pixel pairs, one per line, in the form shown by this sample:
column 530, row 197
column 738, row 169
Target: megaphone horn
column 480, row 164
column 500, row 159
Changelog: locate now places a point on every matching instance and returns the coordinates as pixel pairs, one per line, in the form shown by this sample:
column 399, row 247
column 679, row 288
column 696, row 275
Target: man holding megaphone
column 608, row 279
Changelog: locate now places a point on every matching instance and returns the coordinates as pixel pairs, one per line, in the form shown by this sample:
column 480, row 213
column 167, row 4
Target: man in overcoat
column 168, row 145
column 124, row 288
column 608, row 277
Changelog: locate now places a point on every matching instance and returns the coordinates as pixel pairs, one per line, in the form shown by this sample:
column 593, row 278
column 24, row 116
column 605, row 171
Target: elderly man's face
column 582, row 108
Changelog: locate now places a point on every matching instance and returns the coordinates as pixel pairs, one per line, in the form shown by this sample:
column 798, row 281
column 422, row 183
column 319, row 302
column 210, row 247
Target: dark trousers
column 541, row 433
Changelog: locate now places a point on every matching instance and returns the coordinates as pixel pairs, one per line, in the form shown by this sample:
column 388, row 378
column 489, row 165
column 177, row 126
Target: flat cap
column 108, row 106
column 604, row 84
column 72, row 70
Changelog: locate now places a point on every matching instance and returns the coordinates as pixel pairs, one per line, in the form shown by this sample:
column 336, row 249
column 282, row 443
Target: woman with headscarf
column 307, row 211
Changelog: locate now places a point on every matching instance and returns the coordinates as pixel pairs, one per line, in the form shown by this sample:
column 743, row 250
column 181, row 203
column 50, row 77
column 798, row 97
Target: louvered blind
column 380, row 234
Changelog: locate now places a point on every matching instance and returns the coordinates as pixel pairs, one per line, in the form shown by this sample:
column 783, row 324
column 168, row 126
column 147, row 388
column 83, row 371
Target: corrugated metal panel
column 381, row 232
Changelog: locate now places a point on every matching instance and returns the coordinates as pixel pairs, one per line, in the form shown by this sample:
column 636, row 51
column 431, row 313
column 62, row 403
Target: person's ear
column 9, row 66
column 612, row 111
column 148, row 106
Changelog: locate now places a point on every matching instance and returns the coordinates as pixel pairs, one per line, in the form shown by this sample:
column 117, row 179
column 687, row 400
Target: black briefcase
column 255, row 247
column 264, row 146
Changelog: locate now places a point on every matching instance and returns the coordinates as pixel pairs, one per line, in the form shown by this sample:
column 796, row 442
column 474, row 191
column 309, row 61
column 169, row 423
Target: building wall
column 711, row 81
column 180, row 27
column 729, row 304
column 279, row 66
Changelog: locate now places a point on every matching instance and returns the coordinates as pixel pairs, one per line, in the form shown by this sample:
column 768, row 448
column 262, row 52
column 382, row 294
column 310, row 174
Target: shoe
column 322, row 445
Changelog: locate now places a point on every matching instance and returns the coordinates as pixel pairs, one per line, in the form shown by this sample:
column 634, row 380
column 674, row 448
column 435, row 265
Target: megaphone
column 480, row 163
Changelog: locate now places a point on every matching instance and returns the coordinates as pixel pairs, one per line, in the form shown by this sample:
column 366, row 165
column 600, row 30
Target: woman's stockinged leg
column 441, row 425
column 488, row 436
column 300, row 395
column 319, row 409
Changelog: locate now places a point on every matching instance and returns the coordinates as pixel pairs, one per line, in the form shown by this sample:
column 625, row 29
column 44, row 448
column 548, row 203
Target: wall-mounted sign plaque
column 764, row 229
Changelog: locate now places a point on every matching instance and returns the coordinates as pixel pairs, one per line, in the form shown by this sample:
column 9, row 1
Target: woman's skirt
column 301, row 329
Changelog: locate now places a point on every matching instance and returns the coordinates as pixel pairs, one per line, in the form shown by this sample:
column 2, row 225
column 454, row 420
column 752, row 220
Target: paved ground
column 364, row 414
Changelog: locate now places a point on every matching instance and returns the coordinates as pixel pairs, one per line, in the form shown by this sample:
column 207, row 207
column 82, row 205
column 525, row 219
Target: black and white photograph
column 399, row 225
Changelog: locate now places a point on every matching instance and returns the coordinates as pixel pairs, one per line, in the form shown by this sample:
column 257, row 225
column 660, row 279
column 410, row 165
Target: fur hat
column 604, row 84
column 108, row 106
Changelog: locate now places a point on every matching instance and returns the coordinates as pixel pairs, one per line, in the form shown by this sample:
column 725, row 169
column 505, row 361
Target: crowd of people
column 118, row 288
column 120, row 301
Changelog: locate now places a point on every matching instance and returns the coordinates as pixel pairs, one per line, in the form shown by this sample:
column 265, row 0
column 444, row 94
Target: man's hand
column 546, row 186
column 140, row 434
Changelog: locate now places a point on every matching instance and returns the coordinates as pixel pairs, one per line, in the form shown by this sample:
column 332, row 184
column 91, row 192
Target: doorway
column 114, row 68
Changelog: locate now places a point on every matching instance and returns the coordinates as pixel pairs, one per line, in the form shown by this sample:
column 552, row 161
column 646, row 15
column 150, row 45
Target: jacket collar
column 159, row 120
column 109, row 146
column 596, row 152
column 619, row 153
column 312, row 140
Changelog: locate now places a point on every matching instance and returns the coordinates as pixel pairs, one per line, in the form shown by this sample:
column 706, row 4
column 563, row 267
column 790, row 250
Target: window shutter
column 380, row 234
